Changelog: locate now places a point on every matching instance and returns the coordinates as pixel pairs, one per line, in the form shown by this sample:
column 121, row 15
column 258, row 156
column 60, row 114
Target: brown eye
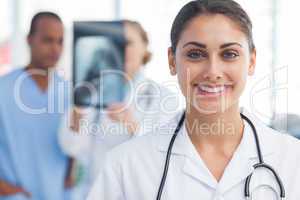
column 196, row 54
column 230, row 55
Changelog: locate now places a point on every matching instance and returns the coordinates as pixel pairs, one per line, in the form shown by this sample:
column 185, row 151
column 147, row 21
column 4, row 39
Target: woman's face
column 212, row 61
column 135, row 50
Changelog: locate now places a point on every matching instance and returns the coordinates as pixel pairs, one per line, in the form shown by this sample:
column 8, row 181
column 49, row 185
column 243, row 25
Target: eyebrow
column 200, row 45
column 230, row 44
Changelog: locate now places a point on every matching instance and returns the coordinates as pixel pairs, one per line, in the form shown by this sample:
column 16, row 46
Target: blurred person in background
column 32, row 101
column 144, row 106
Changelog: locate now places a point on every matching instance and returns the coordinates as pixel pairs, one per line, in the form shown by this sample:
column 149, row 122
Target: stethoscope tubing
column 260, row 164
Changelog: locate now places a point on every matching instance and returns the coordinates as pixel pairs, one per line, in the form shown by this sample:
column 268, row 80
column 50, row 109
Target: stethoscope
column 260, row 164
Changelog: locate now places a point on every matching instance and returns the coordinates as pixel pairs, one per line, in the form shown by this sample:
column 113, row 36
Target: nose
column 213, row 70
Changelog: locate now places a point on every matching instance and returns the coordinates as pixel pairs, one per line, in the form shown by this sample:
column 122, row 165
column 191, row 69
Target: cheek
column 39, row 51
column 239, row 78
column 236, row 71
column 186, row 73
column 43, row 48
column 132, row 55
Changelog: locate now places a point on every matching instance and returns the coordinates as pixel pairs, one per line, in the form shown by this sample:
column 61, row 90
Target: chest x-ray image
column 98, row 63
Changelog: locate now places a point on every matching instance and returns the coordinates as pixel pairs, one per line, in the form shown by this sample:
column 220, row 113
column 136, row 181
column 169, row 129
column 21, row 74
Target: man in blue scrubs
column 32, row 101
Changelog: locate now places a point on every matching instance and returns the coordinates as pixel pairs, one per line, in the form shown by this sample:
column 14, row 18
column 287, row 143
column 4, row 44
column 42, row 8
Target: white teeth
column 212, row 89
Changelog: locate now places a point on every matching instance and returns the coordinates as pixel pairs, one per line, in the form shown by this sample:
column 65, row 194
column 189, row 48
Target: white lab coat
column 99, row 134
column 133, row 170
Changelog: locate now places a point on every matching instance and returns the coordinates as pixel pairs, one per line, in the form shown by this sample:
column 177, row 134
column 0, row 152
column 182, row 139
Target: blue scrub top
column 30, row 155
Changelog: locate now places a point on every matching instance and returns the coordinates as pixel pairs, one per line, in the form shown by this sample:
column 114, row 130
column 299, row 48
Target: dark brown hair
column 228, row 8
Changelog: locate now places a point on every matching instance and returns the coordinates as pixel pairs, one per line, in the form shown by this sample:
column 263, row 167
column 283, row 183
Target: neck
column 39, row 75
column 220, row 129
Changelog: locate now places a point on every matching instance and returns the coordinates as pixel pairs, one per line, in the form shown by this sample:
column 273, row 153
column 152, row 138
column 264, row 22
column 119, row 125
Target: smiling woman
column 212, row 62
column 216, row 145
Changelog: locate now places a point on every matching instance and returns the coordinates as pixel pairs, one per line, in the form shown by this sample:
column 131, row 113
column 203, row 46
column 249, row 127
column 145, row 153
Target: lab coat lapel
column 193, row 166
column 198, row 171
column 241, row 164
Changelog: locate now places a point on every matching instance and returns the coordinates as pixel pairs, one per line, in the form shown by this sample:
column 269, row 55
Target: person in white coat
column 87, row 133
column 219, row 151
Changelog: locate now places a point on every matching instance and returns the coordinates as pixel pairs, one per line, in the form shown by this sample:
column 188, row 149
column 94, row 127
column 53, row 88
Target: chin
column 210, row 107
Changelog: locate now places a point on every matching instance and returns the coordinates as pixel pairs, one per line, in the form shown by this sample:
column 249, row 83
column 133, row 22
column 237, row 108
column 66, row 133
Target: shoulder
column 10, row 77
column 277, row 137
column 8, row 81
column 285, row 142
column 282, row 144
column 271, row 139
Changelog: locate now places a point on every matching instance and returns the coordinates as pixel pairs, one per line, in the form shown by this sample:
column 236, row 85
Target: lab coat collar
column 265, row 135
column 245, row 157
column 182, row 140
column 241, row 164
column 166, row 132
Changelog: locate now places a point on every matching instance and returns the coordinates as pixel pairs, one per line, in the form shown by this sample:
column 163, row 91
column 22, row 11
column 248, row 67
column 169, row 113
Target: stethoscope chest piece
column 261, row 191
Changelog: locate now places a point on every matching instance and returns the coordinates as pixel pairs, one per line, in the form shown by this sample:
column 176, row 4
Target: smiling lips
column 212, row 90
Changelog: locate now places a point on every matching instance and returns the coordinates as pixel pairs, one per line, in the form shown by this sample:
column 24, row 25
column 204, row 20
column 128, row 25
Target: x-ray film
column 98, row 60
